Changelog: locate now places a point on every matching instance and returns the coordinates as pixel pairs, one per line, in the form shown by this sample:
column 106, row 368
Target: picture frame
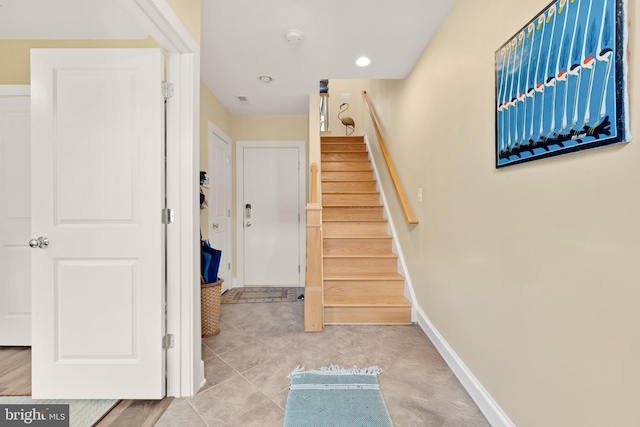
column 561, row 82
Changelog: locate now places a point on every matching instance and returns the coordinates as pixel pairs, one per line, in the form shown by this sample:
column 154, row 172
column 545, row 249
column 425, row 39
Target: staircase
column 361, row 280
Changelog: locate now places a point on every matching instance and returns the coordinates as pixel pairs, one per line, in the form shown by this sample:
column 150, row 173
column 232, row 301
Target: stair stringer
column 409, row 292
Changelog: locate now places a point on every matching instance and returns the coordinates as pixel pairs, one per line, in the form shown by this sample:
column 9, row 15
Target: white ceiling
column 67, row 19
column 244, row 39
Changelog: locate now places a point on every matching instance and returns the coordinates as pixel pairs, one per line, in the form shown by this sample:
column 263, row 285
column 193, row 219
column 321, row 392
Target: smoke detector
column 293, row 36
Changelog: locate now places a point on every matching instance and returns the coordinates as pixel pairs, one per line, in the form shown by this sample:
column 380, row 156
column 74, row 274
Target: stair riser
column 353, row 228
column 350, row 199
column 330, row 138
column 354, row 155
column 346, row 176
column 349, row 186
column 357, row 265
column 347, row 166
column 342, row 147
column 356, row 246
column 358, row 289
column 342, row 139
column 367, row 315
column 356, row 212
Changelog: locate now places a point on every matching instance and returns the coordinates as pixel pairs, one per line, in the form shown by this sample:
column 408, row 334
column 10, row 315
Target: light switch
column 420, row 194
column 345, row 95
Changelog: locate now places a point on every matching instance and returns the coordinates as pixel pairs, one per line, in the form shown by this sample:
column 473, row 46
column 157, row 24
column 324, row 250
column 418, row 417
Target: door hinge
column 167, row 216
column 168, row 341
column 167, row 90
column 298, row 269
column 229, row 212
column 228, row 266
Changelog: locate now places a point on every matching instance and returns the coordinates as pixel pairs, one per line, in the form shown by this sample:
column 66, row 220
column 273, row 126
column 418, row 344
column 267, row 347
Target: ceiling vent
column 242, row 99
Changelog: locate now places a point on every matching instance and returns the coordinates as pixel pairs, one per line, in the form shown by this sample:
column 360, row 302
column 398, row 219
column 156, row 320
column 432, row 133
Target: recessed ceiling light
column 363, row 61
column 265, row 79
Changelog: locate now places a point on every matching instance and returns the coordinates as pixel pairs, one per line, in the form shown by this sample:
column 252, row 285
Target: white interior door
column 220, row 203
column 15, row 221
column 271, row 210
column 97, row 196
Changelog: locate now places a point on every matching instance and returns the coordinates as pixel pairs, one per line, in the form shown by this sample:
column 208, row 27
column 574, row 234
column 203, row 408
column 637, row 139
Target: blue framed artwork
column 561, row 82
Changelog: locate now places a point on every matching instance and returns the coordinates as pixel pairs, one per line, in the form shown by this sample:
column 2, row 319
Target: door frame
column 239, row 214
column 185, row 368
column 11, row 92
column 215, row 130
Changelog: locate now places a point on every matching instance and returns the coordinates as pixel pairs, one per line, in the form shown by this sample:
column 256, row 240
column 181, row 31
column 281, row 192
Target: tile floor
column 247, row 364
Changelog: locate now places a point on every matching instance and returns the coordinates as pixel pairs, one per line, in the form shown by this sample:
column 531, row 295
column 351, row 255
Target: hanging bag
column 210, row 262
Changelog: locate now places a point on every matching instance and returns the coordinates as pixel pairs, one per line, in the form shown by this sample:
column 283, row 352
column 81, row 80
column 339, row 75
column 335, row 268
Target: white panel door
column 220, row 204
column 97, row 196
column 15, row 221
column 272, row 223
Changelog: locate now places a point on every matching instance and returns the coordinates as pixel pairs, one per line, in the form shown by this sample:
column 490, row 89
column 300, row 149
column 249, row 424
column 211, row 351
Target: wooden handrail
column 394, row 177
column 314, row 183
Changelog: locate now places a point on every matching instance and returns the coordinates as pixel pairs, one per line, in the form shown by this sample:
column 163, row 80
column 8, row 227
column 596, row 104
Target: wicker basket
column 210, row 307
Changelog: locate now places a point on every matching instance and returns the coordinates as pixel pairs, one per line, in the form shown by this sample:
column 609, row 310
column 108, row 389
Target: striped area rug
column 332, row 396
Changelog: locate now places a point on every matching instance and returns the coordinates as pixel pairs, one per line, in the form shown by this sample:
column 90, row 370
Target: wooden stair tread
column 362, row 236
column 351, row 193
column 355, row 220
column 399, row 301
column 342, row 205
column 346, row 161
column 364, row 276
column 389, row 255
column 342, row 182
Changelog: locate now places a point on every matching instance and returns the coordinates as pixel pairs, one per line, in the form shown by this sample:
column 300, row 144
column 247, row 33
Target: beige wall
column 15, row 54
column 270, row 127
column 188, row 11
column 530, row 272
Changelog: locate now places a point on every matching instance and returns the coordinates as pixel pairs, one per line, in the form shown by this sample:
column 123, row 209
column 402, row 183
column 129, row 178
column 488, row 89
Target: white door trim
column 219, row 133
column 215, row 130
column 185, row 369
column 15, row 90
column 240, row 145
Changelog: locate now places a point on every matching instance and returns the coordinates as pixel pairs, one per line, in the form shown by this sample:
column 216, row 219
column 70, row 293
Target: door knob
column 40, row 242
column 215, row 225
column 248, row 224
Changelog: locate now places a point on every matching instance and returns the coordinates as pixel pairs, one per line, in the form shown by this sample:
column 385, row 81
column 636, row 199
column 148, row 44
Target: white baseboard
column 489, row 407
column 203, row 380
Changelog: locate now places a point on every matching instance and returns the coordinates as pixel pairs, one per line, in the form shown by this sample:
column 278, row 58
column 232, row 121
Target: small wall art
column 561, row 82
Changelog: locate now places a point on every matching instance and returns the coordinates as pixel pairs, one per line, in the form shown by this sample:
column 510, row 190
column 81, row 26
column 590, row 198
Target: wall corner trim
column 489, row 407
